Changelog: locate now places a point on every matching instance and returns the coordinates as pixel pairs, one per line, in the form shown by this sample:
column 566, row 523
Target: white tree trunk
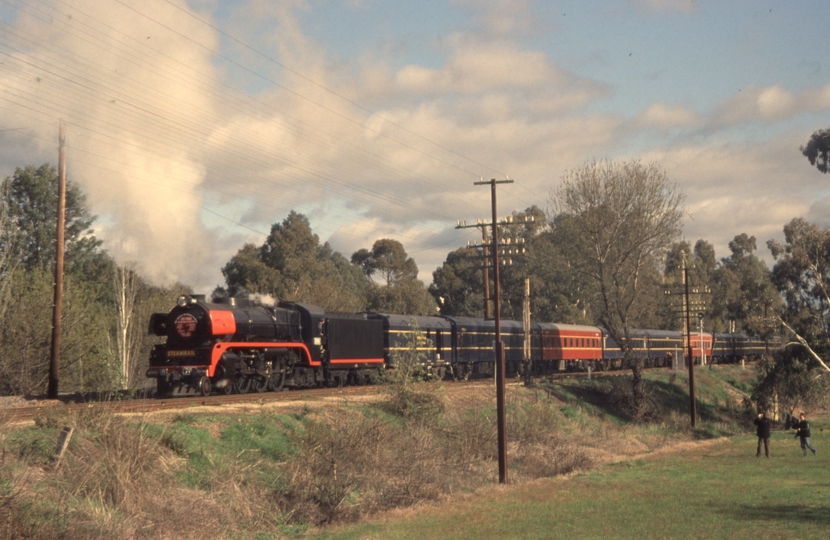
column 803, row 342
column 125, row 339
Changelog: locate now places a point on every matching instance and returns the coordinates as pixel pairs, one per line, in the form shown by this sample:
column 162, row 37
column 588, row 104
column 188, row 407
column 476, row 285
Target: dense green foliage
column 400, row 290
column 817, row 150
column 89, row 351
column 292, row 265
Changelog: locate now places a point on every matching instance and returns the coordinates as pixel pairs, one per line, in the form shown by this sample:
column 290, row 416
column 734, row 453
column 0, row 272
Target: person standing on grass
column 763, row 432
column 803, row 428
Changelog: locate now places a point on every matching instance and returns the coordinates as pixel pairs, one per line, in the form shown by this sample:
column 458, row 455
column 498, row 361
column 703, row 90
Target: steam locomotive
column 234, row 345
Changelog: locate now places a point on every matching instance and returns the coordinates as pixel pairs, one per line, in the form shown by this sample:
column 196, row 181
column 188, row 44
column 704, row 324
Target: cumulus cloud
column 475, row 66
column 733, row 188
column 769, row 104
column 662, row 116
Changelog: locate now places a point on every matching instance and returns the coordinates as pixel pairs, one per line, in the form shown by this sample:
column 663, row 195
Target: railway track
column 148, row 405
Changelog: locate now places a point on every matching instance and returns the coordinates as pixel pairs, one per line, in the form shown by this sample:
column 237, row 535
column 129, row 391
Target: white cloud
column 475, row 66
column 501, row 18
column 662, row 116
column 684, row 6
column 736, row 188
column 769, row 104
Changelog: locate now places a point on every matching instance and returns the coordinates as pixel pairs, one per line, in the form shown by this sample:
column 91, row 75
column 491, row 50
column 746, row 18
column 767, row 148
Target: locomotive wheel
column 259, row 384
column 276, row 380
column 205, row 386
column 242, row 385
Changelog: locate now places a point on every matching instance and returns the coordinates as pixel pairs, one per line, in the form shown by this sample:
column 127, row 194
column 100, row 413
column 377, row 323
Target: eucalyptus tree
column 32, row 202
column 744, row 291
column 293, row 265
column 621, row 217
column 798, row 374
column 27, row 242
column 400, row 291
column 388, row 259
column 457, row 285
column 817, row 150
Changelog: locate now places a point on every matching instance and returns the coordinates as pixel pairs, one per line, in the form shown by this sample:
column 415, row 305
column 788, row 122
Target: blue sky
column 193, row 126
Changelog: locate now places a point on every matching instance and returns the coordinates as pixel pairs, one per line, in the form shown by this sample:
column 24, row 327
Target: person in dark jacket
column 803, row 428
column 764, row 430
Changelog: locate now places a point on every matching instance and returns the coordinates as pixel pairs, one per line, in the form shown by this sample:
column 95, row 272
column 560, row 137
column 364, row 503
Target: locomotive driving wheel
column 276, row 380
column 259, row 384
column 242, row 384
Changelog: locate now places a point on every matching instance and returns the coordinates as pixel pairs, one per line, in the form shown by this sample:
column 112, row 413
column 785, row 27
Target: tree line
column 603, row 254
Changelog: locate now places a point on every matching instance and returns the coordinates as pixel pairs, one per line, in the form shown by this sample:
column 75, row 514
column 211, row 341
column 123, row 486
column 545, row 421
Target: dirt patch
column 10, row 402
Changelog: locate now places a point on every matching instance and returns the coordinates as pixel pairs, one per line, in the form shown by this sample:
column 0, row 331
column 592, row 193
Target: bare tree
column 127, row 339
column 614, row 219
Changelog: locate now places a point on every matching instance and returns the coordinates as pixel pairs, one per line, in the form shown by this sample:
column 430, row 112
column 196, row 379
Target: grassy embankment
column 263, row 473
column 717, row 489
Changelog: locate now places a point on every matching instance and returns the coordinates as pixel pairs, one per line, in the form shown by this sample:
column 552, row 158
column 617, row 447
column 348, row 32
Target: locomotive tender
column 235, row 345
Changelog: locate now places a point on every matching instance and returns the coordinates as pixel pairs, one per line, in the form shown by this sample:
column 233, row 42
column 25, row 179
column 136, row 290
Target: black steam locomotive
column 235, row 345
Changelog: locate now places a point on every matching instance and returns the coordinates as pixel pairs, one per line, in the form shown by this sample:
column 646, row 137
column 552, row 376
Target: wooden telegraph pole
column 689, row 305
column 55, row 356
column 492, row 248
column 692, row 400
column 500, row 367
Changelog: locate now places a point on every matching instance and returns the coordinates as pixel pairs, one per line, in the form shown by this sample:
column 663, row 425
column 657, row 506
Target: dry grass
column 113, row 482
column 413, row 448
column 201, row 475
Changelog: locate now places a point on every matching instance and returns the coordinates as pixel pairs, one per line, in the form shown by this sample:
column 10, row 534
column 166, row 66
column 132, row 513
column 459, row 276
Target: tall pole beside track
column 691, row 360
column 500, row 367
column 55, row 355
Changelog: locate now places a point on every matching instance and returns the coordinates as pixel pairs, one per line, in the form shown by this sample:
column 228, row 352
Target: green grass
column 260, row 440
column 717, row 490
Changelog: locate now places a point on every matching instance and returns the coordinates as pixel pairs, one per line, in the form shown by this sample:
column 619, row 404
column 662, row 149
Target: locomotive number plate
column 179, row 354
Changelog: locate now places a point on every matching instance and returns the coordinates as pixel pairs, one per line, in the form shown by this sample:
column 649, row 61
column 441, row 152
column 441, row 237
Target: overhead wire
column 191, row 126
column 329, row 90
column 353, row 186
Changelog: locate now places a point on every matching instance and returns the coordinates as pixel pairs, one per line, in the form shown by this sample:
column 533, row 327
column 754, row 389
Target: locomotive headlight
column 181, row 301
